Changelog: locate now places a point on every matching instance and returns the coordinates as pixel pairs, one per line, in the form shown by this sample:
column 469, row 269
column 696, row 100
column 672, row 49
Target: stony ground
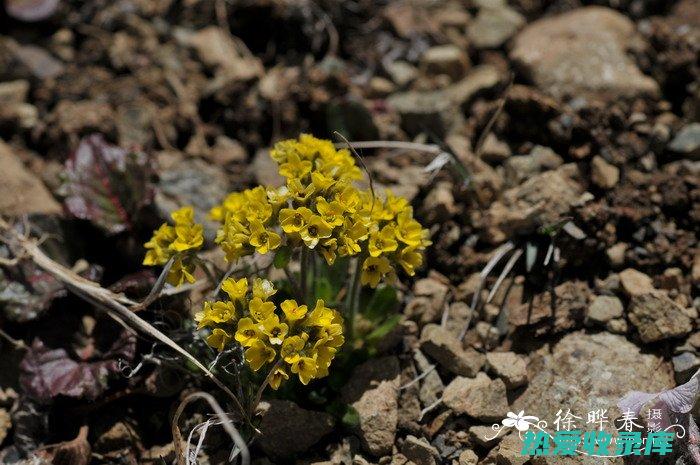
column 574, row 152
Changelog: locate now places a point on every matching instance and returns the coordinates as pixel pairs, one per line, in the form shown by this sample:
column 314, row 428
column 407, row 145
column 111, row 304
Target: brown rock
column 480, row 397
column 447, row 350
column 282, row 436
column 657, row 317
column 508, row 366
column 603, row 174
column 468, row 457
column 603, row 309
column 419, row 451
column 635, row 282
column 446, row 59
column 21, row 193
column 5, row 424
column 582, row 52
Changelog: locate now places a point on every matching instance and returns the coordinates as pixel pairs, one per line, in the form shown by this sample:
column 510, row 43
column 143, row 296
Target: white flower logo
column 519, row 421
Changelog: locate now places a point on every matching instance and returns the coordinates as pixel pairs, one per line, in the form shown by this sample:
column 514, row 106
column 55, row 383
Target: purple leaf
column 47, row 373
column 31, row 10
column 679, row 399
column 106, row 184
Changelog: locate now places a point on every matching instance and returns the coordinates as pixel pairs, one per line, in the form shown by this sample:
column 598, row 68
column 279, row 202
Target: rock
column 226, row 150
column 458, row 314
column 434, row 289
column 603, row 174
column 508, row 366
column 635, row 282
column 378, row 412
column 5, row 424
column 282, row 435
column 657, row 317
column 520, row 168
column 446, row 59
column 494, row 150
column 121, row 435
column 419, row 451
column 687, row 141
column 585, row 372
column 569, row 313
column 438, row 110
column 401, row 72
column 684, row 366
column 369, row 375
column 265, row 170
column 468, row 457
column 380, row 87
column 83, row 116
column 541, row 200
column 616, row 254
column 695, row 272
column 481, row 397
column 493, row 26
column 447, row 350
column 439, row 205
column 603, row 309
column 35, row 60
column 483, row 436
column 617, row 326
column 431, row 385
column 22, row 193
column 508, row 451
column 421, row 309
column 582, row 53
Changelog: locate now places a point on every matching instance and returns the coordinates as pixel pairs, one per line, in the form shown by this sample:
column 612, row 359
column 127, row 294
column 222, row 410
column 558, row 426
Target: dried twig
column 115, row 305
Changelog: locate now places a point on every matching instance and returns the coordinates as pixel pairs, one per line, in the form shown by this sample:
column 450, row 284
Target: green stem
column 353, row 297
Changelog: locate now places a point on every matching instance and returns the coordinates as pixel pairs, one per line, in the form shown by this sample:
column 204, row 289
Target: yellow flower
column 258, row 354
column 259, row 310
column 298, row 191
column 315, row 230
column 320, row 181
column 248, row 332
column 295, row 167
column 293, row 311
column 236, row 289
column 324, row 356
column 348, row 198
column 374, row 269
column 275, row 331
column 158, row 252
column 294, row 220
column 320, row 315
column 409, row 231
column 409, row 260
column 329, row 249
column 262, row 239
column 382, row 242
column 215, row 312
column 189, row 237
column 183, row 216
column 395, row 204
column 305, row 367
column 277, row 377
column 292, row 347
column 218, row 339
column 263, row 288
column 330, row 212
column 180, row 272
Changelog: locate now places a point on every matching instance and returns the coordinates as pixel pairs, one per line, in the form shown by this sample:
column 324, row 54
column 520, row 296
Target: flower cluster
column 292, row 337
column 320, row 208
column 176, row 242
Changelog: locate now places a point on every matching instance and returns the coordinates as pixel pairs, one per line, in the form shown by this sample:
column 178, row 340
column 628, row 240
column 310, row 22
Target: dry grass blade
column 106, row 300
column 225, row 422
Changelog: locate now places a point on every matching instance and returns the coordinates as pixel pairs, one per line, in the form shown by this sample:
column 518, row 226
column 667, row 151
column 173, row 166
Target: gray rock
column 657, row 317
column 508, row 366
column 508, row 451
column 582, row 53
column 401, row 72
column 585, row 372
column 447, row 350
column 419, row 451
column 378, row 412
column 603, row 309
column 446, row 59
column 431, row 385
column 438, row 110
column 684, row 366
column 520, row 168
column 687, row 141
column 617, row 326
column 542, row 199
column 493, row 26
column 481, row 397
column 281, row 435
column 603, row 174
column 484, row 436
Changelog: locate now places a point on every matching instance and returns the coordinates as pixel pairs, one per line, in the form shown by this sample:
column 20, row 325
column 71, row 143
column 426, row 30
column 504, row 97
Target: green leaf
column 282, row 257
column 382, row 303
column 351, row 418
column 323, row 289
column 383, row 329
